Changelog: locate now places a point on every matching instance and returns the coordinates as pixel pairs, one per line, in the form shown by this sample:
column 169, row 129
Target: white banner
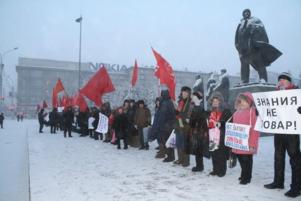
column 237, row 136
column 103, row 124
column 278, row 111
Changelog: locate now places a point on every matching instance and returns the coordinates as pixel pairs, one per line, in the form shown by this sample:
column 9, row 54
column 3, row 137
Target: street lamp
column 2, row 66
column 79, row 20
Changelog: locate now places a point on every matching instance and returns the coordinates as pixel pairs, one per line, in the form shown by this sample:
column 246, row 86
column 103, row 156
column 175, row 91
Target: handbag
column 171, row 141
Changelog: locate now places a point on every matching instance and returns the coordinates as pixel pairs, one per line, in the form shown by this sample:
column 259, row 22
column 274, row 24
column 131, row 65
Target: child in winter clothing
column 246, row 114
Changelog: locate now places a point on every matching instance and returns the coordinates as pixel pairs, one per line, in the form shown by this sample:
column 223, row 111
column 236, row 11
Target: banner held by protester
column 237, row 136
column 278, row 111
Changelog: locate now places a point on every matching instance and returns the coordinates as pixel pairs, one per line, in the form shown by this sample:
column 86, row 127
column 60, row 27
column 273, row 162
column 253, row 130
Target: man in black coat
column 165, row 123
column 53, row 120
column 1, row 119
column 286, row 143
column 252, row 44
column 68, row 118
column 41, row 119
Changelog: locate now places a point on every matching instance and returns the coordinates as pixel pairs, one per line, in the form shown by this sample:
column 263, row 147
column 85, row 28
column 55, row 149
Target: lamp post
column 1, row 68
column 79, row 20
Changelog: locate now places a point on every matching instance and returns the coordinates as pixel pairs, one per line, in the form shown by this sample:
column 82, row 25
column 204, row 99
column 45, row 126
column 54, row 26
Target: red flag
column 65, row 101
column 45, row 104
column 98, row 85
column 80, row 101
column 135, row 74
column 165, row 74
column 54, row 99
column 58, row 87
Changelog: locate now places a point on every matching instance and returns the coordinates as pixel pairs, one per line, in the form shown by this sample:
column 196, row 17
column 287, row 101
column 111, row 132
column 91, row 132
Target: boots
column 186, row 159
column 180, row 157
column 274, row 185
column 162, row 151
column 199, row 164
column 170, row 155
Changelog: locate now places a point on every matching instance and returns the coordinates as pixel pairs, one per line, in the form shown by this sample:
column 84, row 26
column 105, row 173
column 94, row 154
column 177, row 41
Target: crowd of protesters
column 187, row 128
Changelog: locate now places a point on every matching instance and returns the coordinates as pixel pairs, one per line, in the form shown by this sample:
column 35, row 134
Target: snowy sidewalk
column 82, row 169
column 14, row 178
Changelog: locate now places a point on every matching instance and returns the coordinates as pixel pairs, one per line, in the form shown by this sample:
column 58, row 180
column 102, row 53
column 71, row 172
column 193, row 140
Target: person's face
column 283, row 83
column 126, row 104
column 242, row 104
column 120, row 110
column 185, row 94
column 215, row 103
column 246, row 14
column 141, row 105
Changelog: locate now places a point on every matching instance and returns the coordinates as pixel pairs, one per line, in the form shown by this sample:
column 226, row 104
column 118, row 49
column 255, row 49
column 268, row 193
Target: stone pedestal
column 252, row 87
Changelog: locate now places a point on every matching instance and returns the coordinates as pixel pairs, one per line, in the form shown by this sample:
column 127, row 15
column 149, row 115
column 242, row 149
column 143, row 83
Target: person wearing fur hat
column 198, row 133
column 246, row 114
column 142, row 119
column 290, row 144
column 218, row 117
column 182, row 126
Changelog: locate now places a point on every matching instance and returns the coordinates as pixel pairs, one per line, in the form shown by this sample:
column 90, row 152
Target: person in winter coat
column 132, row 132
column 82, row 119
column 41, row 118
column 97, row 135
column 290, row 144
column 142, row 119
column 68, row 118
column 182, row 126
column 246, row 114
column 152, row 135
column 165, row 119
column 91, row 128
column 218, row 117
column 53, row 120
column 198, row 130
column 1, row 119
column 120, row 125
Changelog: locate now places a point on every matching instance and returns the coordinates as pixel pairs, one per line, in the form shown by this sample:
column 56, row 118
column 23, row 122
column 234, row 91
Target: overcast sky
column 193, row 34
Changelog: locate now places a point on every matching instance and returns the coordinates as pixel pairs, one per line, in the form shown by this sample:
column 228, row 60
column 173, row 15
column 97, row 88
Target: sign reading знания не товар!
column 278, row 111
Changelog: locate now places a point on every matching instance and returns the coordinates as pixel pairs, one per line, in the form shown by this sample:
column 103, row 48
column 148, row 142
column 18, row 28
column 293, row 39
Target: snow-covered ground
column 82, row 169
column 14, row 172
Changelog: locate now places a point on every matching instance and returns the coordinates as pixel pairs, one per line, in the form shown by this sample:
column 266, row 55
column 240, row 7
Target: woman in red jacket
column 246, row 114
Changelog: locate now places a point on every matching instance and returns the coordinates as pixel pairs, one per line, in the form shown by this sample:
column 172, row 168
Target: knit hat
column 185, row 88
column 286, row 76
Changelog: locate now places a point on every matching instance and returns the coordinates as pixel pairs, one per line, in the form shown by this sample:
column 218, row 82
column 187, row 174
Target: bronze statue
column 252, row 44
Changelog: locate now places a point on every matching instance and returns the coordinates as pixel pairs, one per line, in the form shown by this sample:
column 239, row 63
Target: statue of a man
column 252, row 44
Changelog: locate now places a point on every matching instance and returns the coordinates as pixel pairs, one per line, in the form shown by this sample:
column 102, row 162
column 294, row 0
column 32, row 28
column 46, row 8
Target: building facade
column 37, row 77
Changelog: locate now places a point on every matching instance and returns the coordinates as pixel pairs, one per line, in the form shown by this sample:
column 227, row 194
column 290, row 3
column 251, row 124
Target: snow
column 82, row 169
column 14, row 177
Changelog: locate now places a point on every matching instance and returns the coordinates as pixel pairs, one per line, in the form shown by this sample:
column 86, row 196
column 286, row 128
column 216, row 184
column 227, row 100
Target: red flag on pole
column 65, row 101
column 165, row 74
column 44, row 104
column 135, row 74
column 54, row 99
column 98, row 85
column 58, row 87
column 80, row 101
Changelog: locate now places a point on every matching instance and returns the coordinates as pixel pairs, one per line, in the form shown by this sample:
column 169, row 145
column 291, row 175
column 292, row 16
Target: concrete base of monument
column 251, row 87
